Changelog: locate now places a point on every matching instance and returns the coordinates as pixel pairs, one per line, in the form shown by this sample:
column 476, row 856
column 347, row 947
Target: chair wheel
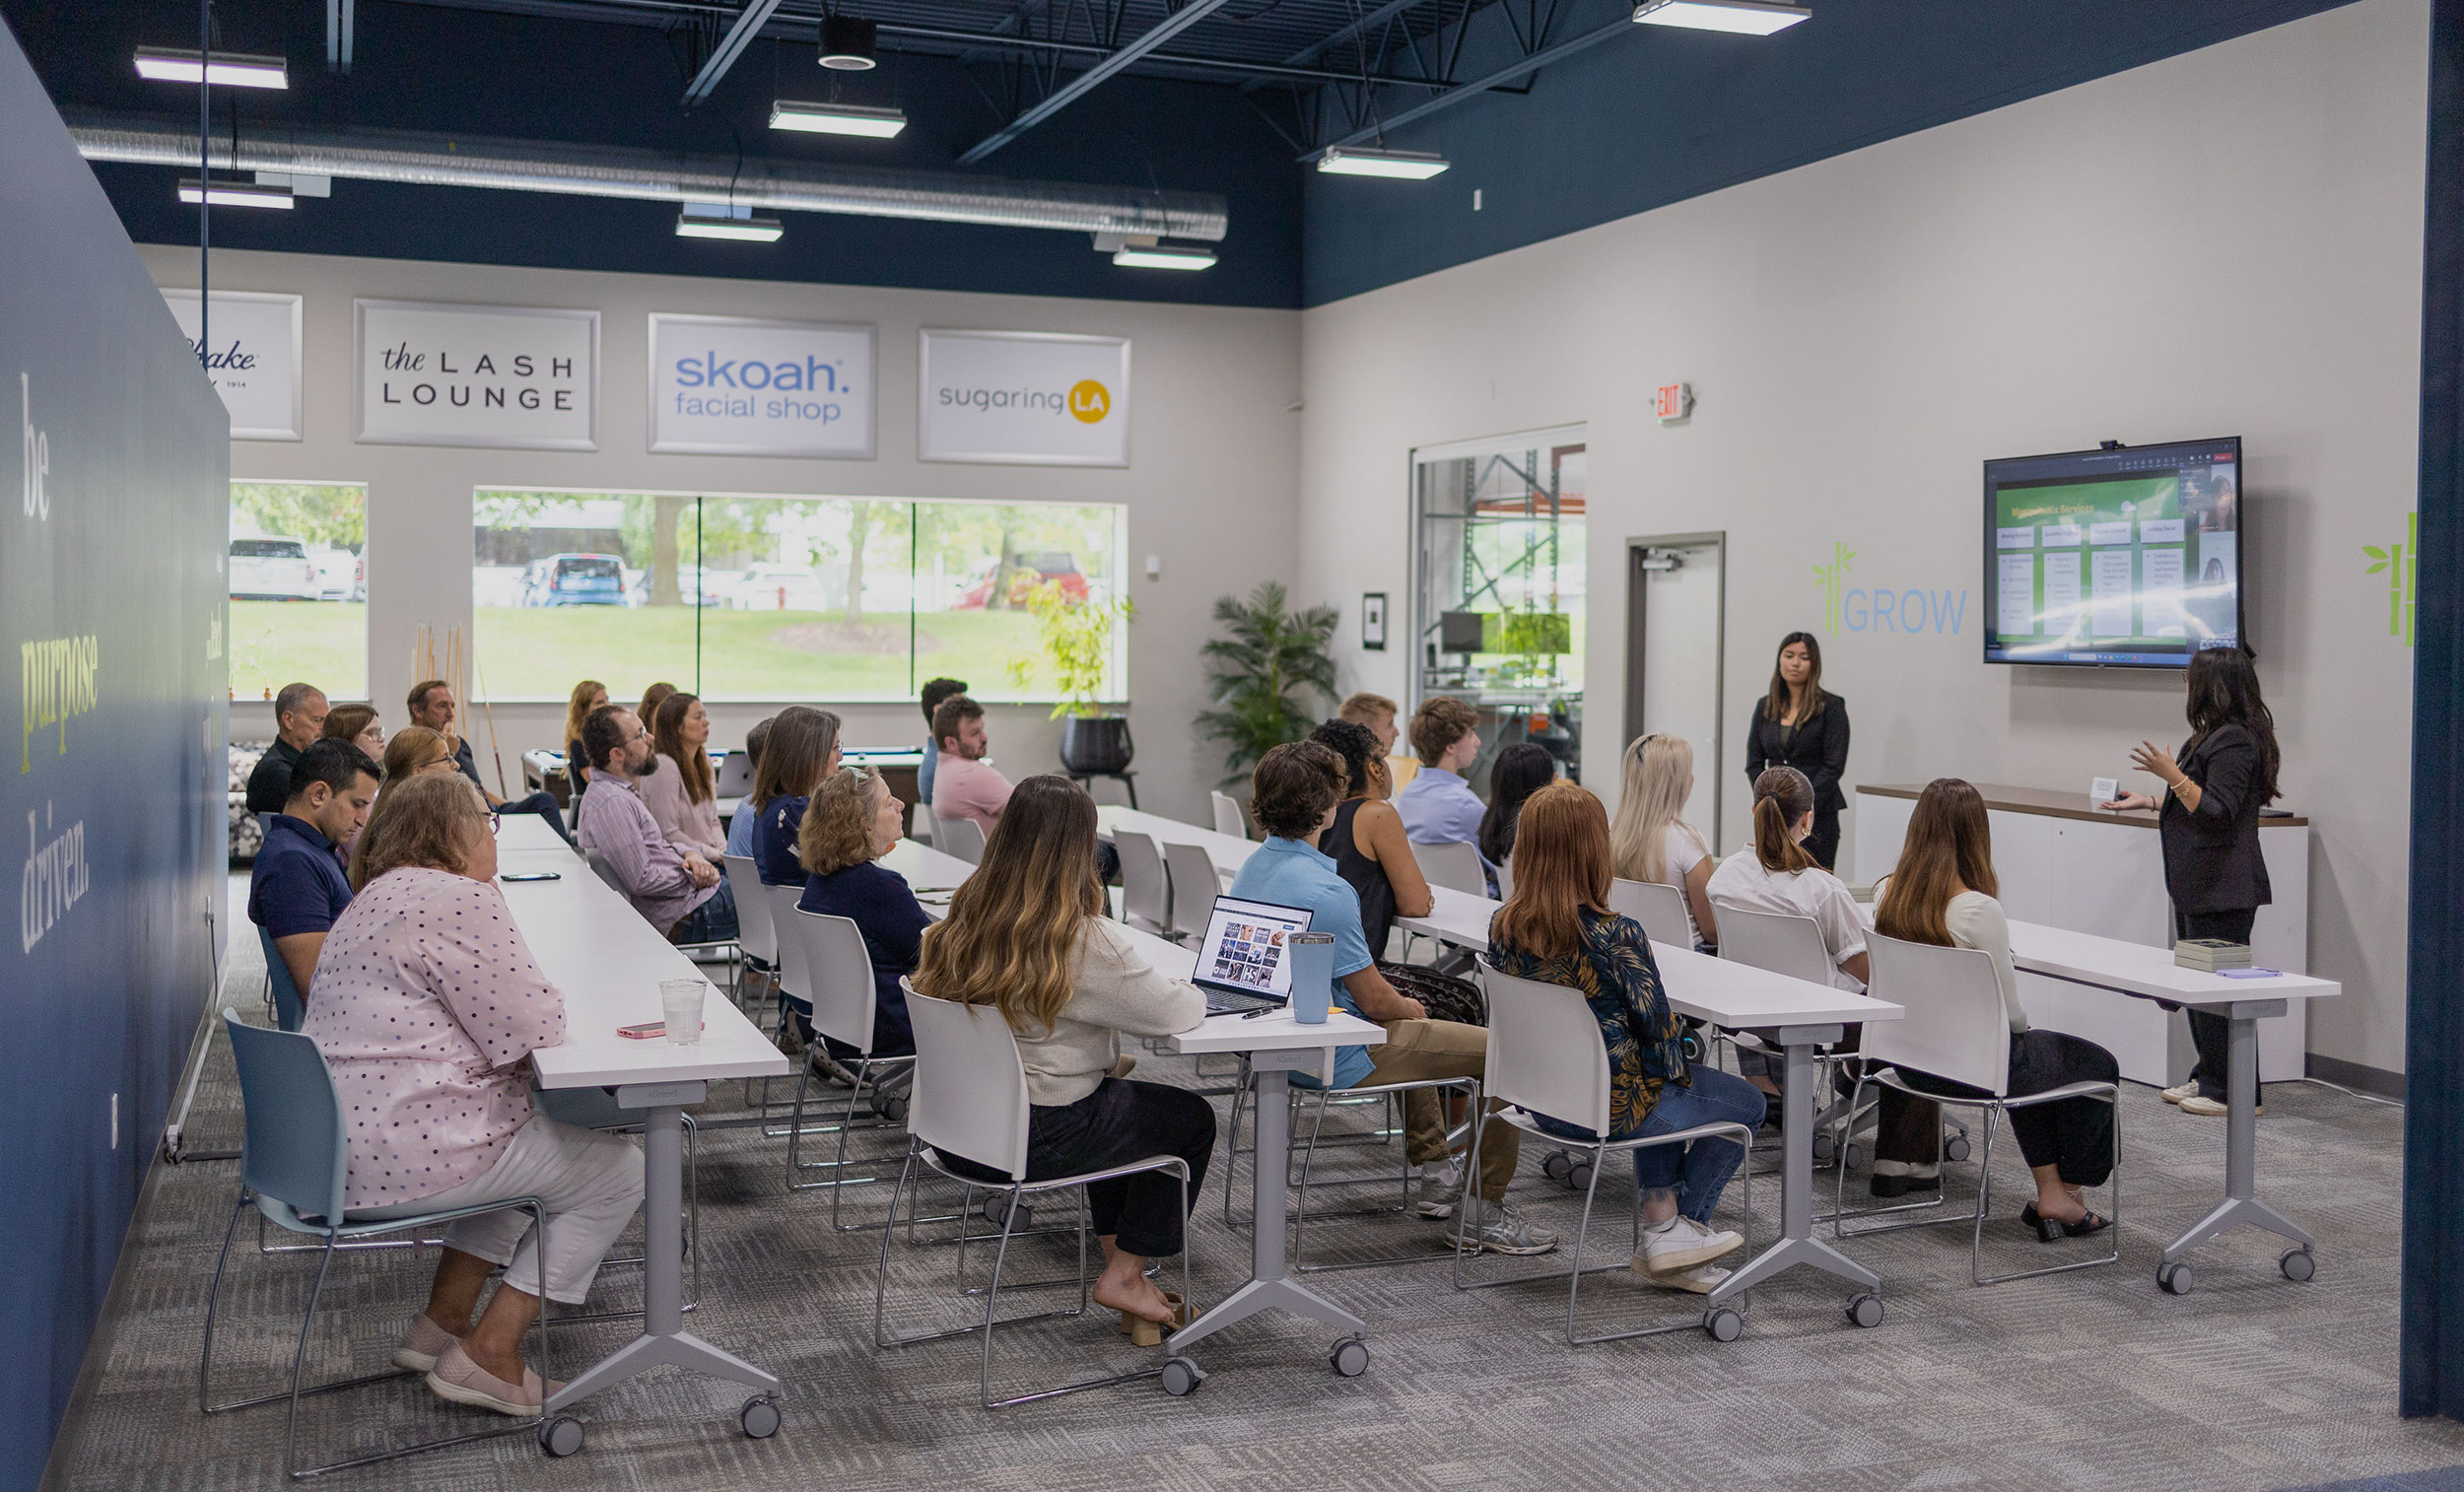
column 1824, row 1147
column 894, row 1110
column 561, row 1437
column 759, row 1417
column 2174, row 1278
column 1866, row 1311
column 1558, row 1165
column 1350, row 1357
column 2297, row 1264
column 1724, row 1324
column 1856, row 1156
column 1956, row 1148
column 1580, row 1178
column 1180, row 1377
column 997, row 1209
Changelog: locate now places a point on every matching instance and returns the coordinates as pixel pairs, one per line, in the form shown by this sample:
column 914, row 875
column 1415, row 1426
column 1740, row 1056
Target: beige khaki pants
column 1416, row 1052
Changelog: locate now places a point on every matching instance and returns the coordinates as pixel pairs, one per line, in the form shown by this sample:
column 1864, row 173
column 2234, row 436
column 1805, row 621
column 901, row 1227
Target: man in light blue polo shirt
column 1437, row 806
column 1296, row 790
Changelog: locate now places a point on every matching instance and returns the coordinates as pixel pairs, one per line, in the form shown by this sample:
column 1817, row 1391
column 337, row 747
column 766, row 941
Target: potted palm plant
column 1073, row 645
column 1262, row 672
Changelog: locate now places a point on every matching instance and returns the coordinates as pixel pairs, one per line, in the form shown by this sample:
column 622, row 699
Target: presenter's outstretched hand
column 2126, row 802
column 2155, row 761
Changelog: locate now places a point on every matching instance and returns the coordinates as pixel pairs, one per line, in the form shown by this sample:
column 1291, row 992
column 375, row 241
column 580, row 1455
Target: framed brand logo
column 497, row 375
column 254, row 362
column 1025, row 398
column 721, row 385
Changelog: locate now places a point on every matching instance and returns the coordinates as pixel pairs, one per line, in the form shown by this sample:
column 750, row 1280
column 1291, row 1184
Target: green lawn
column 273, row 643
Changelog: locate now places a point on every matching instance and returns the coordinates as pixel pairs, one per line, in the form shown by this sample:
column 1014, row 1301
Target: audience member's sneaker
column 2212, row 1108
column 422, row 1344
column 1435, row 1191
column 458, row 1379
column 1899, row 1178
column 1681, row 1243
column 1499, row 1228
column 1701, row 1279
column 2186, row 1090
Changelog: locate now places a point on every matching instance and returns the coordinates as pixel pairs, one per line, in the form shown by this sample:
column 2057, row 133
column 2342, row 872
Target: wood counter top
column 2052, row 804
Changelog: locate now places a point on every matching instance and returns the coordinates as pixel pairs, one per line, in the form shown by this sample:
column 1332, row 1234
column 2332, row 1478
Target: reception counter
column 2065, row 864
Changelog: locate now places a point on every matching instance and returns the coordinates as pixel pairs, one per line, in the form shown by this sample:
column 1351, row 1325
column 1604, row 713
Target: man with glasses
column 432, row 705
column 677, row 892
column 298, row 719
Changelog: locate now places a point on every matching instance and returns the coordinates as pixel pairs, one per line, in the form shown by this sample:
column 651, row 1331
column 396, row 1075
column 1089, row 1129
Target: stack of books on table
column 2214, row 955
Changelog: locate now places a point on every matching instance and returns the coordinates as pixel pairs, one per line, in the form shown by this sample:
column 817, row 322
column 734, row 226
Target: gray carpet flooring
column 2093, row 1379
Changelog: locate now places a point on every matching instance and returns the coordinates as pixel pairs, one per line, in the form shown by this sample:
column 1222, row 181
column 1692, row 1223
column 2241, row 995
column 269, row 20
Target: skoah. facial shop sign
column 254, row 362
column 721, row 385
column 1025, row 398
column 497, row 376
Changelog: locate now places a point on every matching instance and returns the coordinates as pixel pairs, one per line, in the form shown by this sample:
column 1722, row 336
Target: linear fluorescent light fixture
column 702, row 219
column 1360, row 161
column 1748, row 18
column 166, row 64
column 235, row 193
column 836, row 119
column 1164, row 256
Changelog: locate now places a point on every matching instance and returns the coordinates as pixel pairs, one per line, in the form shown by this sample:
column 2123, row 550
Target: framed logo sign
column 721, row 386
column 254, row 362
column 1025, row 398
column 499, row 376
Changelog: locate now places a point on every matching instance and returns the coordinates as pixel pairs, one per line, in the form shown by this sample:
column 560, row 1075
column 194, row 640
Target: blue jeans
column 544, row 805
column 1697, row 1172
column 713, row 921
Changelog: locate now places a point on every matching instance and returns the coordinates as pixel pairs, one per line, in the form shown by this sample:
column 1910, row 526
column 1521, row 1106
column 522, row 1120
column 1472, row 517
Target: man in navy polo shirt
column 297, row 887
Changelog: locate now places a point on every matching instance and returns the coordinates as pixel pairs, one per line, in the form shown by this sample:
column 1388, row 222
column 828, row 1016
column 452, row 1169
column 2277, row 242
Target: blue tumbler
column 1313, row 976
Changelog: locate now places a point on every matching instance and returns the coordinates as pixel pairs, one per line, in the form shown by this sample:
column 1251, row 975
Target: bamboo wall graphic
column 2399, row 562
column 1827, row 577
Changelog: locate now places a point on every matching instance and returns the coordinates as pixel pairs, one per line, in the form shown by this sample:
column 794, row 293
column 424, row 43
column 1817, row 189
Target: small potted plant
column 1074, row 637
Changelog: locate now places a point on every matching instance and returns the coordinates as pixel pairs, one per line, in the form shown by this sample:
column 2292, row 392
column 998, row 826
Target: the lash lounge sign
column 254, row 359
column 721, row 385
column 1025, row 398
column 497, row 376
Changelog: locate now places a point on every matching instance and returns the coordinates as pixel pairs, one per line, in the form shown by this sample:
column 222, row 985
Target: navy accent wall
column 113, row 506
column 2432, row 1340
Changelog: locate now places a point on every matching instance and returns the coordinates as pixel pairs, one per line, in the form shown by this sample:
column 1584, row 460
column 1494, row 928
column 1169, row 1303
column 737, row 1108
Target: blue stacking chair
column 292, row 1165
column 290, row 1008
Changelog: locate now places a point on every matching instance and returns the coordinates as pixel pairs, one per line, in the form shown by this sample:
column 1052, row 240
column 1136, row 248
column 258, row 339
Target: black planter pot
column 1093, row 745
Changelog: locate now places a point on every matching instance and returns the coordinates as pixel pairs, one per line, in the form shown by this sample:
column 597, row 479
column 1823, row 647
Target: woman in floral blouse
column 1557, row 928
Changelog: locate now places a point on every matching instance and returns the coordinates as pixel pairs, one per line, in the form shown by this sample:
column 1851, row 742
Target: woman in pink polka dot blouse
column 428, row 1005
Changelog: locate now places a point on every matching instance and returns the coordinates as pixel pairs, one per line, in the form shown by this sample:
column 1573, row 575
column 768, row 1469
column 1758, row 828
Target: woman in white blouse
column 427, row 1005
column 1943, row 893
column 1651, row 840
column 684, row 801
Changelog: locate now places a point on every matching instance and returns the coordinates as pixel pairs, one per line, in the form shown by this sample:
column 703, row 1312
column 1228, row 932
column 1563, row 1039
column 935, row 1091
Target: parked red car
column 1031, row 571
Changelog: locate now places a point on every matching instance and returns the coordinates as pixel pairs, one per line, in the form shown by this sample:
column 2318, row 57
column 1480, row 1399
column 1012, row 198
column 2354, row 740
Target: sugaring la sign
column 495, row 376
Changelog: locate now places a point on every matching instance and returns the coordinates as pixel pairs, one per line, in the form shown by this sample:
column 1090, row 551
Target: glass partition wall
column 1498, row 614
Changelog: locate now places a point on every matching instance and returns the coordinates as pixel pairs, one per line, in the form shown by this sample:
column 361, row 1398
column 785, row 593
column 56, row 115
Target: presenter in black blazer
column 2208, row 820
column 1800, row 724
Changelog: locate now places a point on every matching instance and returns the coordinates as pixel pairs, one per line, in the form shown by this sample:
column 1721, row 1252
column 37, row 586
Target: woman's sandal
column 2053, row 1230
column 1142, row 1333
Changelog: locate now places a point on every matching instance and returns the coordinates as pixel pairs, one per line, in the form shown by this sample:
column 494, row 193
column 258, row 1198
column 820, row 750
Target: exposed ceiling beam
column 1315, row 49
column 1533, row 63
column 1069, row 93
column 990, row 42
column 749, row 22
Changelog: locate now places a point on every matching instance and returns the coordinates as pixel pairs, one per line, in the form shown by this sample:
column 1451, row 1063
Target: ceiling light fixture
column 847, row 44
column 166, row 64
column 235, row 193
column 1360, row 161
column 717, row 220
column 836, row 119
column 1164, row 256
column 1748, row 18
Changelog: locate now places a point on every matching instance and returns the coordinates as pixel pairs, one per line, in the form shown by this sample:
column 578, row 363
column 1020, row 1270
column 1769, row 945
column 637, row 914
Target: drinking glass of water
column 682, row 1002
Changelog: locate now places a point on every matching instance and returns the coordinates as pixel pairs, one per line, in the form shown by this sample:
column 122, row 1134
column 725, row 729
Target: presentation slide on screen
column 2134, row 566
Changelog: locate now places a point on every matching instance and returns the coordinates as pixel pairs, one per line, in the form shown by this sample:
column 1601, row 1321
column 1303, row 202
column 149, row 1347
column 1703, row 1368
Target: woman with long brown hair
column 1799, row 723
column 1557, row 928
column 588, row 695
column 1943, row 892
column 801, row 750
column 1027, row 935
column 684, row 801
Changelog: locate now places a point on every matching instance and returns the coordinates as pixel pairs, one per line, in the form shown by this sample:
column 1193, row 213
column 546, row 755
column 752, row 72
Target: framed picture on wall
column 1373, row 620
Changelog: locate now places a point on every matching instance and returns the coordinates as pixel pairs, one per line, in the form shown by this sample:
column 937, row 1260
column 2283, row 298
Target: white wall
column 2223, row 242
column 1214, row 448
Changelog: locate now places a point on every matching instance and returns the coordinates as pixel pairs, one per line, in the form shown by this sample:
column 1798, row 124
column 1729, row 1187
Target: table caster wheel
column 1866, row 1311
column 2297, row 1264
column 1558, row 1165
column 1580, row 1178
column 2174, row 1278
column 1856, row 1156
column 1180, row 1377
column 561, row 1437
column 1722, row 1323
column 759, row 1417
column 1824, row 1147
column 1350, row 1357
column 1956, row 1148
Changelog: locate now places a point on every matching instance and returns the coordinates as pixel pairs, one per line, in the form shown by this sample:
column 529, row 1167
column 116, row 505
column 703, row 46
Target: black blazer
column 1820, row 749
column 2211, row 860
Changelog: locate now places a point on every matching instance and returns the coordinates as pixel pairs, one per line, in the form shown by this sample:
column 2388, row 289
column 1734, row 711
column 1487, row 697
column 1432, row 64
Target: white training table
column 1229, row 852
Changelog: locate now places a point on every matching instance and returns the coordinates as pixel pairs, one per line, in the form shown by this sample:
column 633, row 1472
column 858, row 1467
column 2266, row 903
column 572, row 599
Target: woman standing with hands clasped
column 2208, row 820
column 1801, row 725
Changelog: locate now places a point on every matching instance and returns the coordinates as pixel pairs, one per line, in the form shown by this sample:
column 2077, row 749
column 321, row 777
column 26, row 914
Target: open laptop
column 1243, row 961
column 735, row 775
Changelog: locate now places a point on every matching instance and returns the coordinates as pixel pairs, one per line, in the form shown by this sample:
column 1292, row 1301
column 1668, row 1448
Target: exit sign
column 1673, row 402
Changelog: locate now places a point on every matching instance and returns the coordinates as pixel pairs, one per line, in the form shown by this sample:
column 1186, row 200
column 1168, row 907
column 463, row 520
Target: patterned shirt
column 1619, row 979
column 427, row 1005
column 617, row 825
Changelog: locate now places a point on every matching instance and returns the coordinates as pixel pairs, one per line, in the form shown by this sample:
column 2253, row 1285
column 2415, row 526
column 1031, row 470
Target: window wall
column 298, row 569
column 756, row 599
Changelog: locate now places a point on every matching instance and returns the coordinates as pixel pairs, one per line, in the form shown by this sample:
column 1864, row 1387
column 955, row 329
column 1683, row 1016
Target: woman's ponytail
column 1782, row 796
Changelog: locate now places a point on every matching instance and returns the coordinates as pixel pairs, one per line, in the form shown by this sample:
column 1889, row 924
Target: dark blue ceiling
column 1644, row 118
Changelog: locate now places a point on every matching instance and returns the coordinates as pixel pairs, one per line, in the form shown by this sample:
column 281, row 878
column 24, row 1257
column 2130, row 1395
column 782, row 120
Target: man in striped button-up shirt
column 681, row 894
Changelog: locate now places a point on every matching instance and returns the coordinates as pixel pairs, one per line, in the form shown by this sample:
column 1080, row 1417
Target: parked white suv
column 271, row 568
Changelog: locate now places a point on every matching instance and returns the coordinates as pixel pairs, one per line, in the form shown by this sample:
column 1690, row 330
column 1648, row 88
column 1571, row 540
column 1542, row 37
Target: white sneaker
column 1681, row 1244
column 1701, row 1279
column 1499, row 1228
column 2209, row 1108
column 2186, row 1090
column 1435, row 1191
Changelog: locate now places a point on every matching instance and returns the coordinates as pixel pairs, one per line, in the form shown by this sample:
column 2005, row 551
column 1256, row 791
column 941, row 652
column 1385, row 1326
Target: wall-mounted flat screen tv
column 2128, row 557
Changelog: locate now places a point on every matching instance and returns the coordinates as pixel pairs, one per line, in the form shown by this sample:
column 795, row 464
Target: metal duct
column 601, row 170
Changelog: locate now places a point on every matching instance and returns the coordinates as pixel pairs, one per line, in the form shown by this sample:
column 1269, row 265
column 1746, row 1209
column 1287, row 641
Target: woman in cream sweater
column 1027, row 935
column 684, row 799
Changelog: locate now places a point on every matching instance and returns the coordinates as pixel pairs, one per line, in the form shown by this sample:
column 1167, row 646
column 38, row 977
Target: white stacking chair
column 839, row 974
column 970, row 1102
column 1195, row 887
column 1505, row 877
column 1544, row 1056
column 604, row 871
column 1454, row 865
column 754, row 934
column 1954, row 1028
column 1790, row 944
column 963, row 838
column 1228, row 816
column 1660, row 909
column 1145, row 893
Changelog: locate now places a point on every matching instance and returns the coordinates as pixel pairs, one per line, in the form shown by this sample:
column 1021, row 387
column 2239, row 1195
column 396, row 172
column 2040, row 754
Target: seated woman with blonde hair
column 852, row 821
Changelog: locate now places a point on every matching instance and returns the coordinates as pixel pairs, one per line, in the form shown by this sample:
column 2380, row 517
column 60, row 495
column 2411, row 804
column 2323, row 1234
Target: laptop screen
column 1246, row 946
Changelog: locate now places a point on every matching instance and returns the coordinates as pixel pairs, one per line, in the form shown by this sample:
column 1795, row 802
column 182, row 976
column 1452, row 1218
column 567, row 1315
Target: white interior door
column 1680, row 664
